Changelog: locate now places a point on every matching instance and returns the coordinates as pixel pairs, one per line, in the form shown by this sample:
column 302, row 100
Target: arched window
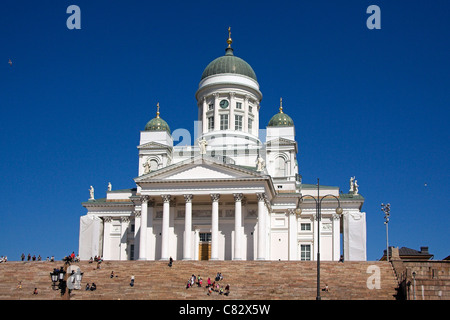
column 153, row 165
column 280, row 167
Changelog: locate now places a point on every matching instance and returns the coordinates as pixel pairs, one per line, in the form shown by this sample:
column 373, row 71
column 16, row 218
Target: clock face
column 224, row 104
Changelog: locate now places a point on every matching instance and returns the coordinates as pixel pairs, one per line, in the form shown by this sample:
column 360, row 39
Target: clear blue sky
column 367, row 103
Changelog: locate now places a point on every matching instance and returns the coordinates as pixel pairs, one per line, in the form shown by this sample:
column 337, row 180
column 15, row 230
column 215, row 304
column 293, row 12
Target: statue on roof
column 353, row 186
column 91, row 193
column 202, row 144
column 260, row 164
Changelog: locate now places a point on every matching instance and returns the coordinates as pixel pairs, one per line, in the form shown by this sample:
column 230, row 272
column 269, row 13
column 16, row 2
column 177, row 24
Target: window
column 223, row 122
column 305, row 252
column 280, row 167
column 250, row 108
column 250, row 125
column 305, row 226
column 211, row 106
column 238, row 105
column 238, row 122
column 205, row 237
column 153, row 165
column 211, row 123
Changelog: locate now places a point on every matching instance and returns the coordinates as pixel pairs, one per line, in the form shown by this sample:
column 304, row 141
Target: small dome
column 157, row 124
column 281, row 119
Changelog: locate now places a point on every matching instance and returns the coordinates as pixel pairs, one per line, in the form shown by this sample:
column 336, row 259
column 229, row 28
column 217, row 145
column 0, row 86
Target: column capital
column 165, row 197
column 238, row 197
column 145, row 199
column 188, row 197
column 215, row 197
column 261, row 196
column 125, row 219
column 291, row 211
column 137, row 213
column 107, row 219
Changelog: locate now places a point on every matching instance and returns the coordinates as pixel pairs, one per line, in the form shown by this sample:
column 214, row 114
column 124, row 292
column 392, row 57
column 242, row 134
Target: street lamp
column 318, row 201
column 386, row 208
column 60, row 279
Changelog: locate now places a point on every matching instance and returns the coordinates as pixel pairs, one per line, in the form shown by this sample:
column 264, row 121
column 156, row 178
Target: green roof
column 229, row 63
column 281, row 120
column 157, row 124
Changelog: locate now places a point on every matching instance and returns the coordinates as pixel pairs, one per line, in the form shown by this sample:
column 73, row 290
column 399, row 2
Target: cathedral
column 235, row 194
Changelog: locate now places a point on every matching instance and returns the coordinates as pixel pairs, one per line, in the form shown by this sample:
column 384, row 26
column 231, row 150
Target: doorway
column 204, row 249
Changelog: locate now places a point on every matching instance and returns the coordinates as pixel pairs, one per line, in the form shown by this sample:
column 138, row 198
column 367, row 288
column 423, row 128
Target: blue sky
column 367, row 103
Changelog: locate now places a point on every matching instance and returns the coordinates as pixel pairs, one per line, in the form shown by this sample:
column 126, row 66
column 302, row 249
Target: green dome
column 157, row 124
column 229, row 64
column 281, row 119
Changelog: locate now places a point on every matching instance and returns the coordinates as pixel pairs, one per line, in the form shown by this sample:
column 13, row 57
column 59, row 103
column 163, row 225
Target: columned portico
column 215, row 226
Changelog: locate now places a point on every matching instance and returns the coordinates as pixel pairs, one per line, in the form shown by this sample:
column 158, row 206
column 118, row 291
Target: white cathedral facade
column 229, row 196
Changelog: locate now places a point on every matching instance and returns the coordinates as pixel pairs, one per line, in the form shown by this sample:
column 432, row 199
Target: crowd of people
column 211, row 286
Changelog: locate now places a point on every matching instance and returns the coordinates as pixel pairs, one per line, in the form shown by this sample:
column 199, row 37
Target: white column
column 245, row 120
column 165, row 227
column 261, row 253
column 187, row 228
column 335, row 218
column 293, row 246
column 137, row 226
column 143, row 234
column 215, row 227
column 106, row 238
column 124, row 223
column 238, row 226
column 204, row 120
column 216, row 112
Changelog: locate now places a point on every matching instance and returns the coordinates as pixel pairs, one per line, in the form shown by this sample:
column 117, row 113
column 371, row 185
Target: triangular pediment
column 199, row 169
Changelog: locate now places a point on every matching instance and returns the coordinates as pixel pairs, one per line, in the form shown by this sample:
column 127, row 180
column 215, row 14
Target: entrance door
column 204, row 250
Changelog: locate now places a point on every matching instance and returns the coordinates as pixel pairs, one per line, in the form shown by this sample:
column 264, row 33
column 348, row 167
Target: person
column 209, row 291
column 91, row 260
column 326, row 289
column 93, row 286
column 221, row 290
column 188, row 284
column 227, row 290
column 23, row 257
column 170, row 262
column 209, row 282
column 341, row 259
column 29, row 257
column 87, row 287
column 112, row 274
column 52, row 259
column 19, row 285
column 35, row 291
column 132, row 281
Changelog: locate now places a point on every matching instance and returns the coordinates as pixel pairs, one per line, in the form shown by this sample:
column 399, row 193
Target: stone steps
column 249, row 280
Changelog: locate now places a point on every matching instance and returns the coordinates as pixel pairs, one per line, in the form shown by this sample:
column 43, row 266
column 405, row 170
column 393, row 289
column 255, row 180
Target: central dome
column 229, row 63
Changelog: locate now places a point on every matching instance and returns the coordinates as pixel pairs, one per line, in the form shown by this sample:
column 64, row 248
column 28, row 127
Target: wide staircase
column 248, row 280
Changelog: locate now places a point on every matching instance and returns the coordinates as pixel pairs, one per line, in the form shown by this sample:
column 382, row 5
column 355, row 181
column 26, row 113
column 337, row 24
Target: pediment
column 153, row 145
column 199, row 169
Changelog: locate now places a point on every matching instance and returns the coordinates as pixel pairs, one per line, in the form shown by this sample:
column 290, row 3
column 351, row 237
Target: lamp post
column 386, row 208
column 318, row 201
column 60, row 277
